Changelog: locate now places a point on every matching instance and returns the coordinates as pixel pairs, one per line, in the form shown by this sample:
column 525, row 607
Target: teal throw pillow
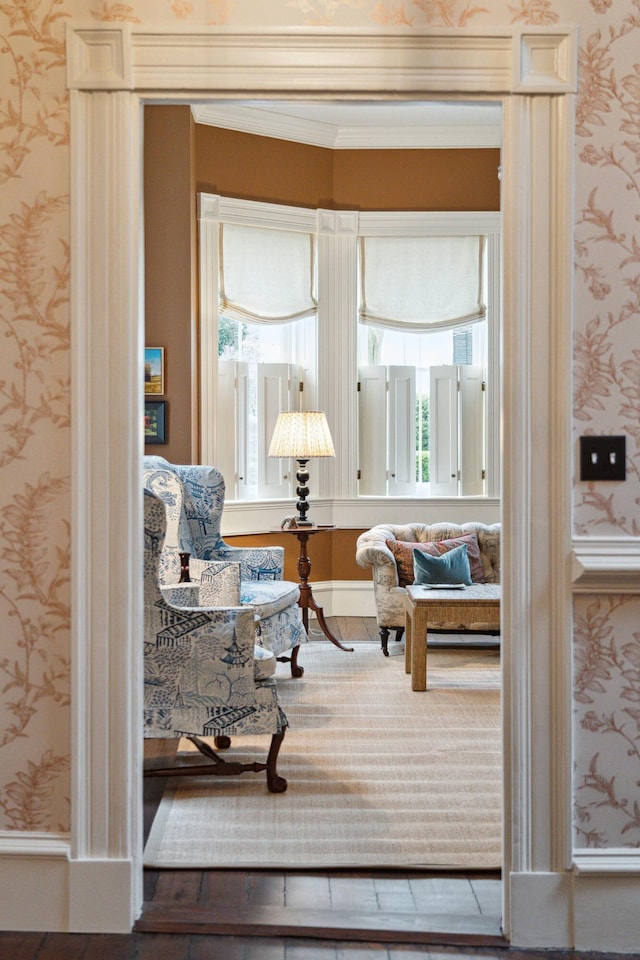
column 451, row 567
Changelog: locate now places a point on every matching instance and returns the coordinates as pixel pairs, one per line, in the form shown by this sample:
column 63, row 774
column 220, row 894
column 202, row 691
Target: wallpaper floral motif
column 34, row 369
column 607, row 374
column 34, row 412
column 607, row 699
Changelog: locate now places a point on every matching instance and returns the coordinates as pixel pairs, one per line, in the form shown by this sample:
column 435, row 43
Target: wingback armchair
column 200, row 675
column 194, row 500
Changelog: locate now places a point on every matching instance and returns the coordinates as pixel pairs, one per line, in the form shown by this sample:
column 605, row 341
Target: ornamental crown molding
column 338, row 133
column 130, row 57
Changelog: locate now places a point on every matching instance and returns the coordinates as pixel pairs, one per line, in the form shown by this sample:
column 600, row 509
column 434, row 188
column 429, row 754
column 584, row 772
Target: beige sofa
column 388, row 550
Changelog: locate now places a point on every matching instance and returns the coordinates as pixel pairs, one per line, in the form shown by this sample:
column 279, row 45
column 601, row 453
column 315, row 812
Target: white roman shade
column 266, row 276
column 421, row 283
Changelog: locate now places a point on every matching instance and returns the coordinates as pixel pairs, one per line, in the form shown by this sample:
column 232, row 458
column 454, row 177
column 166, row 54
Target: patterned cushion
column 403, row 552
column 268, row 597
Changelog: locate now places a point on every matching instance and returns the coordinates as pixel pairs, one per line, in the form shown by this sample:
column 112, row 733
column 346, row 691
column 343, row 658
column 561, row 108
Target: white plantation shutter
column 226, row 433
column 401, row 444
column 387, row 430
column 472, row 430
column 245, row 439
column 372, row 427
column 277, row 391
column 457, row 431
column 252, row 396
column 443, row 444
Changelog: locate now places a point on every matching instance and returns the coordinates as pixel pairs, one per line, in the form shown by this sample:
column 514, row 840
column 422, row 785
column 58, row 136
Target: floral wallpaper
column 34, row 370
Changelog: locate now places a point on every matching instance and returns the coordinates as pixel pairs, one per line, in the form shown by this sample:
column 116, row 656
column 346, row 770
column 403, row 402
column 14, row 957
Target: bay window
column 387, row 321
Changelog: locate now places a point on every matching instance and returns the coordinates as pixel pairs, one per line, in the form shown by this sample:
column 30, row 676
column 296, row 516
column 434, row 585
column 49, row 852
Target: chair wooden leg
column 399, row 634
column 219, row 767
column 384, row 640
column 296, row 671
column 275, row 783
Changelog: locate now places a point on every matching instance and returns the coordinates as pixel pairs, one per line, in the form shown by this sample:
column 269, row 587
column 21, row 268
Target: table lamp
column 302, row 435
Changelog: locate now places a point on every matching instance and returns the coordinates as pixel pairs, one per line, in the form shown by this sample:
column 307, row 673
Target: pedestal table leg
column 307, row 601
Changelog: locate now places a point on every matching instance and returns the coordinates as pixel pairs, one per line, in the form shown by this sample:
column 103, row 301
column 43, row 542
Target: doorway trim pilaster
column 113, row 71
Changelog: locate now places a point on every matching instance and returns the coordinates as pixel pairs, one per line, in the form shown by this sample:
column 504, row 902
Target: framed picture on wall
column 153, row 371
column 155, row 421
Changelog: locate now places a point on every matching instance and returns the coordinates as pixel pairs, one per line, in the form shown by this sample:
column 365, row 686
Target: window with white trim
column 264, row 312
column 388, row 320
column 422, row 366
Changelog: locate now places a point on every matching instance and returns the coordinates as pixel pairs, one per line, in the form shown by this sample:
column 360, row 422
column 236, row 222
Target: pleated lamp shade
column 302, row 434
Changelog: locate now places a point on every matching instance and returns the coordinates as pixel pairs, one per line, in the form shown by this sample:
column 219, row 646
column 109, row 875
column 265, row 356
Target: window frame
column 334, row 488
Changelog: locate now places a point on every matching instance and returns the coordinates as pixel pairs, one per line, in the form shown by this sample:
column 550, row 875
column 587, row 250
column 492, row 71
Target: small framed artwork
column 153, row 371
column 155, row 421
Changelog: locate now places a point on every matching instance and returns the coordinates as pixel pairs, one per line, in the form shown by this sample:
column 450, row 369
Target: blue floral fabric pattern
column 199, row 675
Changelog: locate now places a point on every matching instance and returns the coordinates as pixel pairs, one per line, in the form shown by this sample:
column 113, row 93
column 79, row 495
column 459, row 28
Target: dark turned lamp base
column 302, row 490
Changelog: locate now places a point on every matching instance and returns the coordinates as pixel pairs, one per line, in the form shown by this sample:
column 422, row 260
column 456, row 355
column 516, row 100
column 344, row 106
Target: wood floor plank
column 444, row 895
column 20, row 946
column 268, row 889
column 324, row 924
column 488, row 894
column 303, row 890
column 110, row 946
column 225, row 948
column 168, row 946
column 61, row 946
column 351, row 893
column 183, row 886
column 350, row 952
column 225, row 887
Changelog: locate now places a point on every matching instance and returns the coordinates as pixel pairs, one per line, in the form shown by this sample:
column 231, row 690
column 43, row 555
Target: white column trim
column 107, row 437
column 338, row 298
column 536, row 484
column 544, row 60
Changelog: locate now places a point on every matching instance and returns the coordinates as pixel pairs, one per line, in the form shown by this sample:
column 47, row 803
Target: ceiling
column 361, row 124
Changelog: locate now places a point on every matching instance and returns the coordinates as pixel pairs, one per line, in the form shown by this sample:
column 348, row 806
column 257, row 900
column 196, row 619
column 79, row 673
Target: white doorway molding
column 112, row 72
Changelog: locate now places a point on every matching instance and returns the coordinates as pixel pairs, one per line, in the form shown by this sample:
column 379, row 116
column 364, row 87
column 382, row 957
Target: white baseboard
column 540, row 910
column 595, row 908
column 345, row 598
column 43, row 889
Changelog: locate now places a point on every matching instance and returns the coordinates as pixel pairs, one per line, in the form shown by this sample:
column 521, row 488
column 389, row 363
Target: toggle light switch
column 603, row 458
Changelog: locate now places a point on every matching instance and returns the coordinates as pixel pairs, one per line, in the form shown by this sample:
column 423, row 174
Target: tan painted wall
column 332, row 554
column 170, row 255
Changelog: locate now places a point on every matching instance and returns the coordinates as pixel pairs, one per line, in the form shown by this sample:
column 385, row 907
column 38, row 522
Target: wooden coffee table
column 479, row 603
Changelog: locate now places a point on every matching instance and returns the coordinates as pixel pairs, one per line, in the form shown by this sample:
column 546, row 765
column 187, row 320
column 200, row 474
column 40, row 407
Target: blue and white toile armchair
column 194, row 500
column 201, row 679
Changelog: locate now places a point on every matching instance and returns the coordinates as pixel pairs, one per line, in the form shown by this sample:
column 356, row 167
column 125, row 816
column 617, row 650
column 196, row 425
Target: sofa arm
column 372, row 549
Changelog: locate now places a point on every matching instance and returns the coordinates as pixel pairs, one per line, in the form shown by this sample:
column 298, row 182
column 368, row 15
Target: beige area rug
column 378, row 775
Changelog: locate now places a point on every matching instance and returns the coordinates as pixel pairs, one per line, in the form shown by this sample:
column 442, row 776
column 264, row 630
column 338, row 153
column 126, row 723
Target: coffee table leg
column 408, row 631
column 419, row 649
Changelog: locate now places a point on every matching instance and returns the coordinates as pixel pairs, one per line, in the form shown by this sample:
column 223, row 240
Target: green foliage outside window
column 227, row 337
column 422, row 439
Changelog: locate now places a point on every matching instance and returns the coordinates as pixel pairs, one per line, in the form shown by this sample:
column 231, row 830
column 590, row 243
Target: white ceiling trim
column 342, row 136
